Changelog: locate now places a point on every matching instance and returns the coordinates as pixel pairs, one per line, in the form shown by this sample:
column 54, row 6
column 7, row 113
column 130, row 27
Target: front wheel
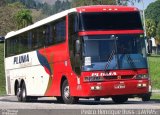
column 146, row 97
column 67, row 98
column 97, row 99
column 59, row 99
column 119, row 99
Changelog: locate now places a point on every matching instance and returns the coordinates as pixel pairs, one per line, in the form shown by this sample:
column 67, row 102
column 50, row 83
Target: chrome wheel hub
column 66, row 92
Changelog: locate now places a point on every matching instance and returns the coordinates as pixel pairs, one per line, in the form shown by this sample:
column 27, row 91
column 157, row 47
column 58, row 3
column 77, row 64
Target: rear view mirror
column 77, row 46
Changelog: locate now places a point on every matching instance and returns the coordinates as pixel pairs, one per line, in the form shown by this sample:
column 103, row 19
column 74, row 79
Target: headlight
column 142, row 76
column 93, row 78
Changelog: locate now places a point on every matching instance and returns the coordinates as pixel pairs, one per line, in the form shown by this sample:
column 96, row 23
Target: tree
column 2, row 2
column 23, row 18
column 126, row 2
column 27, row 3
column 150, row 28
column 76, row 3
column 58, row 6
column 46, row 9
column 153, row 11
column 158, row 32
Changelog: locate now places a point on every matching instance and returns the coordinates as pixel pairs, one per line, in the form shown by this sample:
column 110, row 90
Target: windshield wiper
column 109, row 60
column 130, row 61
column 112, row 54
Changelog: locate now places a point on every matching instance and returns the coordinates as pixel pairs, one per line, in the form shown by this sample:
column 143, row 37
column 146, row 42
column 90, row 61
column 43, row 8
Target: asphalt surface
column 10, row 102
column 49, row 106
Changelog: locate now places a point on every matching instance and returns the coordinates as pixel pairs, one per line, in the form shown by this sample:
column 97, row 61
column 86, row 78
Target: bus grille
column 118, row 77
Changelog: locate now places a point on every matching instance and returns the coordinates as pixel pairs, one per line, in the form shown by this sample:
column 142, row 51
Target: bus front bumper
column 112, row 88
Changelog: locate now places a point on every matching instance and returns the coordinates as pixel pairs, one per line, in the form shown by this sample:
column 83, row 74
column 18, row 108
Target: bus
column 84, row 52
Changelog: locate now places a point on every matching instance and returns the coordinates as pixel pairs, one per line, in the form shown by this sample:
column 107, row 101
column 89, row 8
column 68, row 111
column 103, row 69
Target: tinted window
column 110, row 21
column 23, row 43
column 60, row 31
column 49, row 34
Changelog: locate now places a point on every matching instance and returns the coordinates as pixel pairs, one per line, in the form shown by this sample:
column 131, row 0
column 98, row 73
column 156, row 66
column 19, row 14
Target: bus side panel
column 56, row 56
column 31, row 70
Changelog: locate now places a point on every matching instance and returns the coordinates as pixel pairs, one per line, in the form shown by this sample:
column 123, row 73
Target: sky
column 146, row 3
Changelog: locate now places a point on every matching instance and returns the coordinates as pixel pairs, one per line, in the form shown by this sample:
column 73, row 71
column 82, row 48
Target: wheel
column 97, row 98
column 119, row 99
column 24, row 94
column 146, row 97
column 32, row 99
column 66, row 94
column 19, row 94
column 59, row 99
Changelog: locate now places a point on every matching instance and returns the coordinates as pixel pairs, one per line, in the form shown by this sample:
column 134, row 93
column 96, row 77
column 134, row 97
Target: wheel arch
column 61, row 83
column 21, row 83
column 16, row 85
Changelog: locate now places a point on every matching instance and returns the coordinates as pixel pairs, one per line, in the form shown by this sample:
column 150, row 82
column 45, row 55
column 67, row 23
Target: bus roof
column 41, row 22
column 105, row 8
column 96, row 8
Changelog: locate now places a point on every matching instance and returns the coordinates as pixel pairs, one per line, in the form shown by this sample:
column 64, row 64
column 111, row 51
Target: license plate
column 119, row 86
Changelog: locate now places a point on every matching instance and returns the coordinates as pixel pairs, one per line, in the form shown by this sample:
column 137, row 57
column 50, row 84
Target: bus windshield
column 110, row 21
column 102, row 52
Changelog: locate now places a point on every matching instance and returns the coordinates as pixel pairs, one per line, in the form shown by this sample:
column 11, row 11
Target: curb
column 155, row 91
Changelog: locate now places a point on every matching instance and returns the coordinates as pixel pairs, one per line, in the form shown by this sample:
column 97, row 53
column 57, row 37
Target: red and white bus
column 85, row 52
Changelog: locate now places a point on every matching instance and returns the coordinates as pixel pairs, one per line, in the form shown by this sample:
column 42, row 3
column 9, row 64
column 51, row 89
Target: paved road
column 10, row 102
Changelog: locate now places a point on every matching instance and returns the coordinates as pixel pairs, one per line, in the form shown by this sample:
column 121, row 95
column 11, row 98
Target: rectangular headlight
column 142, row 76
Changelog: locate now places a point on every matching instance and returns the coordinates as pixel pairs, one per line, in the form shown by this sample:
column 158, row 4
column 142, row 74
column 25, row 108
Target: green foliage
column 46, row 9
column 76, row 3
column 154, row 62
column 7, row 21
column 27, row 3
column 153, row 11
column 17, row 5
column 150, row 28
column 23, row 18
column 126, row 2
column 55, row 8
column 2, row 78
column 158, row 32
column 155, row 96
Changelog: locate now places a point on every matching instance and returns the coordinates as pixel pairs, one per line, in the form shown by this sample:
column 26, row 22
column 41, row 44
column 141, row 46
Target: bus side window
column 7, row 47
column 29, row 41
column 49, row 40
column 15, row 46
column 60, row 31
column 41, row 34
column 34, row 40
column 23, row 43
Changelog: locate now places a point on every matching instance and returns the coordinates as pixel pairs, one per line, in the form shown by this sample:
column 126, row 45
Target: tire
column 119, row 99
column 146, row 97
column 97, row 99
column 19, row 94
column 32, row 99
column 24, row 93
column 59, row 99
column 67, row 99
